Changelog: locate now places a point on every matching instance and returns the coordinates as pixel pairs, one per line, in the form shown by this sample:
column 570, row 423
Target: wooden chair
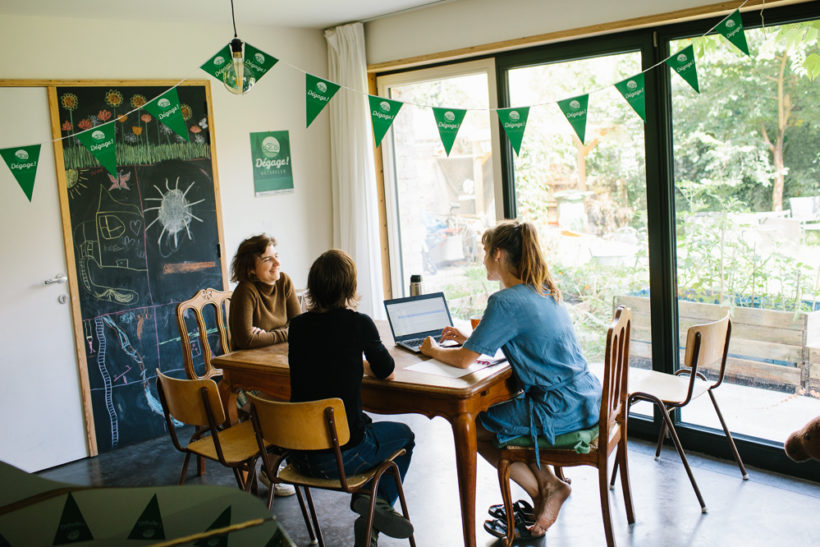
column 197, row 403
column 706, row 344
column 611, row 433
column 220, row 301
column 315, row 425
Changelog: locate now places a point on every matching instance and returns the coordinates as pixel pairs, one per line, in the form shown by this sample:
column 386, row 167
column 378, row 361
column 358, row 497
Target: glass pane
column 444, row 203
column 747, row 198
column 588, row 200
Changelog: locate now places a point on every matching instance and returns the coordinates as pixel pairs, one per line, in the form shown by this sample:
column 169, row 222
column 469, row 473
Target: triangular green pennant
column 100, row 142
column 72, row 527
column 318, row 93
column 149, row 525
column 166, row 109
column 575, row 109
column 257, row 62
column 220, row 540
column 448, row 121
column 514, row 121
column 218, row 64
column 732, row 29
column 22, row 160
column 683, row 62
column 382, row 112
column 278, row 539
column 634, row 91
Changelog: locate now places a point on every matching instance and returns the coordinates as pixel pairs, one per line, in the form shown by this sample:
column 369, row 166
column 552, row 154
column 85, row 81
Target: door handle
column 59, row 278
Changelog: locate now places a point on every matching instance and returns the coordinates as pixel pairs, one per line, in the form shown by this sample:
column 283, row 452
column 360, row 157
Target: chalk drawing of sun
column 174, row 213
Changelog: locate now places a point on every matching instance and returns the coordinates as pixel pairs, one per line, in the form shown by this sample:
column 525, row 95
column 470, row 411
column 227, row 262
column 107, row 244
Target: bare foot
column 547, row 506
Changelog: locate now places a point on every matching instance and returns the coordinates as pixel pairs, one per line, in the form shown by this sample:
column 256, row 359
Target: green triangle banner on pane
column 448, row 121
column 575, row 109
column 72, row 527
column 732, row 29
column 22, row 160
column 149, row 525
column 166, row 109
column 514, row 122
column 100, row 142
column 219, row 540
column 219, row 63
column 318, row 93
column 257, row 62
column 634, row 91
column 382, row 112
column 683, row 62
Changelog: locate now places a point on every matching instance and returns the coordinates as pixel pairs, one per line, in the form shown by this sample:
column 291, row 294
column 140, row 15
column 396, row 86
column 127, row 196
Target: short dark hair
column 245, row 258
column 331, row 282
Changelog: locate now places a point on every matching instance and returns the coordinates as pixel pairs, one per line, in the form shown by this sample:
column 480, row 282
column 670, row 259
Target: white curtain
column 353, row 172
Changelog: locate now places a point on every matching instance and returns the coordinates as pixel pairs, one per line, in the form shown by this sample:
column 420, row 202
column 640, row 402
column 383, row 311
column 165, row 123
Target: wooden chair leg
column 403, row 502
column 613, row 475
column 729, row 436
column 200, row 466
column 184, row 468
column 506, row 496
column 603, row 489
column 662, row 432
column 302, row 506
column 625, row 486
column 314, row 518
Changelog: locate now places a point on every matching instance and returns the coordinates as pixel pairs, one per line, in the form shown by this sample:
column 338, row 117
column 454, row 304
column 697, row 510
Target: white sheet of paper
column 438, row 368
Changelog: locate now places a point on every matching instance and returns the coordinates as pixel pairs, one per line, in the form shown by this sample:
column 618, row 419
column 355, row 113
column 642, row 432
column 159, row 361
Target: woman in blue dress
column 529, row 322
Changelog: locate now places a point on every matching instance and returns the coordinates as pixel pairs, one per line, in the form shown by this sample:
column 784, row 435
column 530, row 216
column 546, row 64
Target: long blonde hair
column 519, row 241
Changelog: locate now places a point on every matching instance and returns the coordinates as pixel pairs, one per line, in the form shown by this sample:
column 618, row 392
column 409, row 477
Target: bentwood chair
column 197, row 403
column 219, row 301
column 315, row 425
column 707, row 346
column 611, row 434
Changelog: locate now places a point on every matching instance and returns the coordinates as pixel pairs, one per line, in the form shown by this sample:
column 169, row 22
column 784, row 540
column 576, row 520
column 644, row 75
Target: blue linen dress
column 535, row 333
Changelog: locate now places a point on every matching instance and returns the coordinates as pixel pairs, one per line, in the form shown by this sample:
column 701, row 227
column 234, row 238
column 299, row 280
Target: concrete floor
column 768, row 509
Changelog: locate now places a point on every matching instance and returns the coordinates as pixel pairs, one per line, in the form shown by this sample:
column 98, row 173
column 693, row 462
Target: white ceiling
column 287, row 13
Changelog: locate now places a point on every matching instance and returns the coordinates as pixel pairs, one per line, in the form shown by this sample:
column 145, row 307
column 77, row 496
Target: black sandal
column 498, row 528
column 521, row 508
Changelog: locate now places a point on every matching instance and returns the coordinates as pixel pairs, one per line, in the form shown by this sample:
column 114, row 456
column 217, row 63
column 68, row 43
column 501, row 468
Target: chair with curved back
column 197, row 403
column 611, row 434
column 220, row 302
column 315, row 425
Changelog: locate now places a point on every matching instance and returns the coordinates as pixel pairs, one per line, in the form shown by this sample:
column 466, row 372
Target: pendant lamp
column 234, row 78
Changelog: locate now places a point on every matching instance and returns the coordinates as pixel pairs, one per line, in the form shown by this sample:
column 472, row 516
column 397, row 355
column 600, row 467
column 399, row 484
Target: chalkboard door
column 140, row 241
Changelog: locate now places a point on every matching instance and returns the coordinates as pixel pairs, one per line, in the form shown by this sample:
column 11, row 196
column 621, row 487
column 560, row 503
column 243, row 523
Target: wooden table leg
column 464, row 433
column 228, row 396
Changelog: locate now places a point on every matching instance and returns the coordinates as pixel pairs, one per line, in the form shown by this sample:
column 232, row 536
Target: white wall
column 62, row 48
column 466, row 23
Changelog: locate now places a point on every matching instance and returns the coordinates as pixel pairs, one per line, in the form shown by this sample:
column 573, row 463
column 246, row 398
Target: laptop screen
column 418, row 315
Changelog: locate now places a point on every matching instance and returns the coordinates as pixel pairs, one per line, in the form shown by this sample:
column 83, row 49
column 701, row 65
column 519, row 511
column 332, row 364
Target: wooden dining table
column 458, row 400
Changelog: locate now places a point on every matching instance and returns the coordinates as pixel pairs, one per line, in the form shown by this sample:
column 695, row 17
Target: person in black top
column 325, row 356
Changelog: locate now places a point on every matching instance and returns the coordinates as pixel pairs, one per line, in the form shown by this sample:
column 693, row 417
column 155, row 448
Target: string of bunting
column 100, row 139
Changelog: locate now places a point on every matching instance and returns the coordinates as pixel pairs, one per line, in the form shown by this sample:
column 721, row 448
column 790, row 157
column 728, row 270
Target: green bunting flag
column 149, row 525
column 318, row 93
column 22, row 160
column 732, row 29
column 220, row 540
column 683, row 62
column 278, row 539
column 514, row 121
column 166, row 109
column 218, row 65
column 382, row 112
column 100, row 142
column 72, row 527
column 257, row 62
column 448, row 121
column 634, row 91
column 575, row 109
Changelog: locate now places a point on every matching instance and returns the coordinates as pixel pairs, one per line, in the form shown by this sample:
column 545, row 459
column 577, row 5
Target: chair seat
column 666, row 387
column 291, row 475
column 581, row 441
column 238, row 444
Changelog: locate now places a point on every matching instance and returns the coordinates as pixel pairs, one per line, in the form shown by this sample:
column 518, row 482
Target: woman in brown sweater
column 264, row 301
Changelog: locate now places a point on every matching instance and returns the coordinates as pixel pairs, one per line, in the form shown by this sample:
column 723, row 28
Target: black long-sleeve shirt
column 325, row 357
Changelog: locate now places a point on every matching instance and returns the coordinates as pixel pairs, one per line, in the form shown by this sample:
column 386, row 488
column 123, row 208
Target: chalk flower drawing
column 174, row 212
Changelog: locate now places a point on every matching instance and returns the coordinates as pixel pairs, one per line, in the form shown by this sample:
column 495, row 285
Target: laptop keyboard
column 415, row 343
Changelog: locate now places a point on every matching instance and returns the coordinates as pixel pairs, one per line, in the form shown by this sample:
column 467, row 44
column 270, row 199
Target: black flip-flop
column 498, row 528
column 521, row 508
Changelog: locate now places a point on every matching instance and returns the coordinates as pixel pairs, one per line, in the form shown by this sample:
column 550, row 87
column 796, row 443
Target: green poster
column 217, row 65
column 732, row 29
column 634, row 91
column 318, row 93
column 683, row 62
column 270, row 152
column 448, row 121
column 514, row 121
column 100, row 142
column 72, row 527
column 575, row 109
column 382, row 112
column 22, row 160
column 166, row 109
column 257, row 62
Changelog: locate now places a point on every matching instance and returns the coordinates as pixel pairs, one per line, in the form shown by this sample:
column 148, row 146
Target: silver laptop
column 414, row 318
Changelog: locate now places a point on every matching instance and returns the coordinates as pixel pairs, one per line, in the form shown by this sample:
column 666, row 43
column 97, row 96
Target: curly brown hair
column 245, row 258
